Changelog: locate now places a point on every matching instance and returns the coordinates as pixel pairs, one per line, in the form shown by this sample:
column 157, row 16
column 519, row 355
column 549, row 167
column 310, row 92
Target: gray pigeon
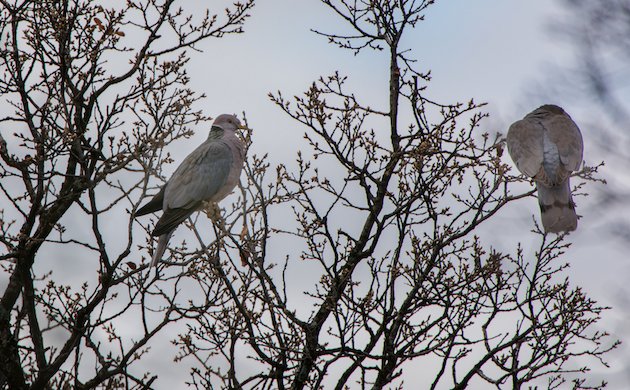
column 209, row 173
column 547, row 146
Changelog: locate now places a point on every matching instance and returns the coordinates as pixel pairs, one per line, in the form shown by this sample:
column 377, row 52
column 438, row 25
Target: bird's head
column 547, row 110
column 227, row 122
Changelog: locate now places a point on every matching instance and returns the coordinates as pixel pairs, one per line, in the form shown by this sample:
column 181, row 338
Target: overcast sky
column 494, row 51
column 489, row 50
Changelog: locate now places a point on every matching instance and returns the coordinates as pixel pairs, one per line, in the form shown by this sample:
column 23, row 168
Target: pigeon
column 208, row 174
column 547, row 146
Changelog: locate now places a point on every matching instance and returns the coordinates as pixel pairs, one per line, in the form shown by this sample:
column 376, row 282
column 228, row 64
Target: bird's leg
column 214, row 259
column 213, row 211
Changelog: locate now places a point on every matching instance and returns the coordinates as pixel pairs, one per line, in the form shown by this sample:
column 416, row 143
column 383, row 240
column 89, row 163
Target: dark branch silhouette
column 360, row 265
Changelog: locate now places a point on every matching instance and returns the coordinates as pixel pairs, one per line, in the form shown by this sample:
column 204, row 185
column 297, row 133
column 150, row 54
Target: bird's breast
column 238, row 156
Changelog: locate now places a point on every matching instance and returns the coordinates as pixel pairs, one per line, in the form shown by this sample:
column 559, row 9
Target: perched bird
column 209, row 173
column 547, row 146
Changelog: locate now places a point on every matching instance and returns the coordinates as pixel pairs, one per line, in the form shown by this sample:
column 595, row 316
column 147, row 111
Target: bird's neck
column 235, row 142
column 216, row 133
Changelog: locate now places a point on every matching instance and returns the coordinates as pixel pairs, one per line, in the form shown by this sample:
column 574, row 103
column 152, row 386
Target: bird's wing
column 155, row 204
column 525, row 145
column 170, row 219
column 198, row 178
column 568, row 139
column 200, row 175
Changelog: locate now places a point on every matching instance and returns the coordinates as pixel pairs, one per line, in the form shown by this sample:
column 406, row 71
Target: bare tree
column 402, row 279
column 96, row 91
column 362, row 266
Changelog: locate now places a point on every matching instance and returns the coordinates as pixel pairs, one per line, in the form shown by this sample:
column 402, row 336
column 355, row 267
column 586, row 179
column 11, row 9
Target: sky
column 494, row 51
column 489, row 50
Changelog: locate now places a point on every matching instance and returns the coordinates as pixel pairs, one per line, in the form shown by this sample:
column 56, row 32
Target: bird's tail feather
column 161, row 248
column 556, row 207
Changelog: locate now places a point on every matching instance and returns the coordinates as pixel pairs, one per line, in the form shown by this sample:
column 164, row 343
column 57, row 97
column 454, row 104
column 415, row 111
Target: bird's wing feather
column 568, row 139
column 200, row 176
column 155, row 204
column 171, row 218
column 524, row 141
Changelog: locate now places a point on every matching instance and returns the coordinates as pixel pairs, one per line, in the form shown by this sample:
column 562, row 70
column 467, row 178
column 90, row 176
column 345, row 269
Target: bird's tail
column 556, row 207
column 161, row 248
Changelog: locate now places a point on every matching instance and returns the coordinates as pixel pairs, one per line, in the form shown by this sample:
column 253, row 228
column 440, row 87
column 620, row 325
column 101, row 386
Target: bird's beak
column 243, row 127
